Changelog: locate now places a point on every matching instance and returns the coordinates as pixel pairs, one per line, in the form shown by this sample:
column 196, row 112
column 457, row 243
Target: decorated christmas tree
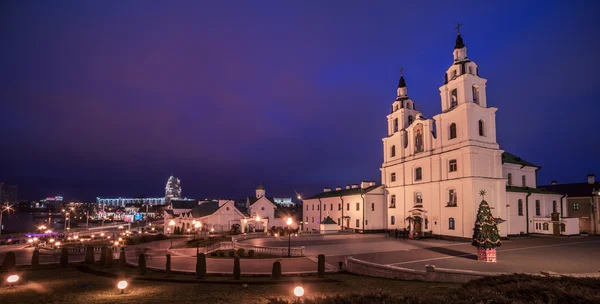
column 485, row 234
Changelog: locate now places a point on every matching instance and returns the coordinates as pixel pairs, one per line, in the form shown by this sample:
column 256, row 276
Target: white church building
column 434, row 168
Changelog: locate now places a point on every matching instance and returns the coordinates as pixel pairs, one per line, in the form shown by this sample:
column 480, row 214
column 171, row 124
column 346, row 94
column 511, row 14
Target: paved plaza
column 519, row 254
column 531, row 254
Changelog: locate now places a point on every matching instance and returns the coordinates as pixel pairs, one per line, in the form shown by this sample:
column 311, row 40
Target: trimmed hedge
column 237, row 272
column 200, row 266
column 35, row 259
column 89, row 255
column 240, row 252
column 276, row 272
column 64, row 257
column 142, row 264
column 251, row 252
column 10, row 261
column 321, row 266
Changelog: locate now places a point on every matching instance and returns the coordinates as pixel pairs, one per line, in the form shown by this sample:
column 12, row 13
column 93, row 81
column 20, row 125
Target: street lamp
column 12, row 279
column 299, row 291
column 122, row 285
column 172, row 223
column 289, row 224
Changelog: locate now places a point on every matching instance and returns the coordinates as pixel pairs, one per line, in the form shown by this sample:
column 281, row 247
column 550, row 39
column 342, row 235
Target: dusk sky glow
column 108, row 98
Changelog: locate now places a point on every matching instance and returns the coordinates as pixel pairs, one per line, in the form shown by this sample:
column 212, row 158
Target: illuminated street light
column 12, row 279
column 102, row 234
column 51, row 240
column 30, row 241
column 122, row 285
column 289, row 224
column 57, row 244
column 299, row 291
column 258, row 218
column 76, row 237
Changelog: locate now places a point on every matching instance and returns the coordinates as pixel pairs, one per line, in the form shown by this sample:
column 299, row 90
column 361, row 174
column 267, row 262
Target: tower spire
column 401, row 83
column 459, row 41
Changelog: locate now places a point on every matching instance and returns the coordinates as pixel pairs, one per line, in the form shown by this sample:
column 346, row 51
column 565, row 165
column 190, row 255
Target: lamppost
column 257, row 221
column 171, row 224
column 289, row 224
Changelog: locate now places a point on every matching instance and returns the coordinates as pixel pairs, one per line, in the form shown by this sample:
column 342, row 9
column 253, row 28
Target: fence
column 275, row 251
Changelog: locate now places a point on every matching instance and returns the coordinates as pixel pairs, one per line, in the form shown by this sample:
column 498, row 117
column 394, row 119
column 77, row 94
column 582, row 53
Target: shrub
column 102, row 256
column 89, row 255
column 10, row 261
column 200, row 266
column 108, row 260
column 168, row 265
column 221, row 254
column 321, row 266
column 64, row 257
column 240, row 252
column 231, row 253
column 122, row 259
column 237, row 272
column 276, row 272
column 35, row 259
column 142, row 264
column 223, row 237
column 251, row 252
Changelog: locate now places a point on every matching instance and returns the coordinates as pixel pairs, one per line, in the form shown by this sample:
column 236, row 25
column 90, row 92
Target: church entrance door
column 418, row 222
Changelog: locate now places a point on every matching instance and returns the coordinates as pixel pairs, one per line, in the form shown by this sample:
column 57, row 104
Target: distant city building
column 8, row 193
column 172, row 191
column 54, row 202
column 283, row 201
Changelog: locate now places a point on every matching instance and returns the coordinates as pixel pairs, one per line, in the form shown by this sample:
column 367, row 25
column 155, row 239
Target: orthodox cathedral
column 435, row 168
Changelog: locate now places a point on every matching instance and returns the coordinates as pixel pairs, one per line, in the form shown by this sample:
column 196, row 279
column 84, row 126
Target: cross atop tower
column 401, row 69
column 457, row 28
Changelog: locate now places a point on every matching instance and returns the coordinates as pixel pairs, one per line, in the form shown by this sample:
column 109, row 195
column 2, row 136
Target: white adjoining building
column 434, row 168
column 259, row 213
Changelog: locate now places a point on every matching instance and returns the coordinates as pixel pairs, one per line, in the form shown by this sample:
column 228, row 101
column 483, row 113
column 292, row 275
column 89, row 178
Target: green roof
column 528, row 190
column 344, row 192
column 513, row 159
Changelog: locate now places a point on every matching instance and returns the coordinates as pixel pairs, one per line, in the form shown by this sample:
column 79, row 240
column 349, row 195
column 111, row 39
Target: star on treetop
column 482, row 193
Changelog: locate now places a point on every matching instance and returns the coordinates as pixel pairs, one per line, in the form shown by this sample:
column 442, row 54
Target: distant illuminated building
column 8, row 193
column 173, row 188
column 172, row 191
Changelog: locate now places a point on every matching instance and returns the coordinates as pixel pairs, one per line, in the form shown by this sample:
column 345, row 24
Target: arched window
column 393, row 220
column 452, row 131
column 410, row 119
column 520, row 207
column 408, row 105
column 510, row 179
column 454, row 98
column 418, row 174
column 393, row 176
column 396, row 125
column 546, row 226
column 554, row 207
column 418, row 199
column 452, row 198
column 481, row 128
column 524, row 181
column 418, row 138
column 393, row 151
column 537, row 208
column 475, row 95
column 471, row 70
column 393, row 201
column 451, row 223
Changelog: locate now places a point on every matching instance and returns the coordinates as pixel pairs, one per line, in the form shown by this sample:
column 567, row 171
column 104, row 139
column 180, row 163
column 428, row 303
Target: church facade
column 434, row 168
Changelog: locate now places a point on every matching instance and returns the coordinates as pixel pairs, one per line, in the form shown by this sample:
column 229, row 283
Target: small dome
column 260, row 187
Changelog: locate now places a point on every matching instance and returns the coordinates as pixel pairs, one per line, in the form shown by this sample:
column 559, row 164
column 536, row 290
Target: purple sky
column 108, row 98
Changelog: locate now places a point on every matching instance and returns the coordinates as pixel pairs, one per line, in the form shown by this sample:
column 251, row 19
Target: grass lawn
column 73, row 286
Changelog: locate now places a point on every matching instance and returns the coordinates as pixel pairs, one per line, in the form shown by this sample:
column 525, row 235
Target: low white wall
column 431, row 273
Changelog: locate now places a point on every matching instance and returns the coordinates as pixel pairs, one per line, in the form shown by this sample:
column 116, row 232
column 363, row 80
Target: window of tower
column 452, row 198
column 393, row 153
column 453, row 167
column 418, row 174
column 454, row 74
column 475, row 95
column 510, row 179
column 481, row 128
column 396, row 125
column 454, row 98
column 451, row 223
column 410, row 119
column 524, row 181
column 393, row 177
column 452, row 131
column 393, row 201
column 471, row 70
